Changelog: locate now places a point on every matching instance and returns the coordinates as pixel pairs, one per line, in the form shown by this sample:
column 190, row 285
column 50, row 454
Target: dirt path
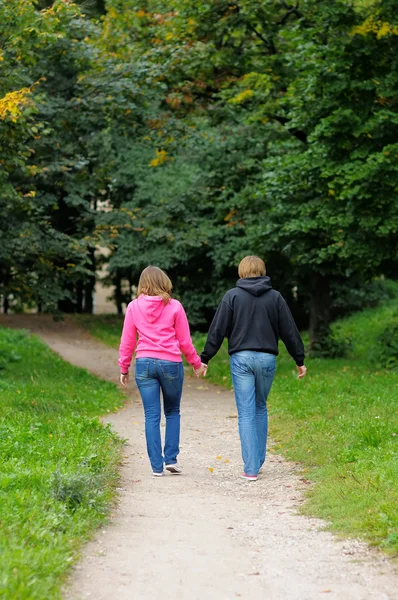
column 207, row 535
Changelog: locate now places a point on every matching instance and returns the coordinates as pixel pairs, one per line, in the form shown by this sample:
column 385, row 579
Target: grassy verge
column 58, row 464
column 340, row 423
column 106, row 328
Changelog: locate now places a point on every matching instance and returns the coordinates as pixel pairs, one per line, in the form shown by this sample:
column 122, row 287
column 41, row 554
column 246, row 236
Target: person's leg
column 149, row 388
column 264, row 367
column 171, row 375
column 244, row 388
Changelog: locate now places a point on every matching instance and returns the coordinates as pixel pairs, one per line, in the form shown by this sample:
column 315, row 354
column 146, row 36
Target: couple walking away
column 252, row 316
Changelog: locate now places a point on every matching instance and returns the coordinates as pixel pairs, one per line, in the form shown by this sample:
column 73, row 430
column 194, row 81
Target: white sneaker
column 174, row 469
column 249, row 477
column 155, row 474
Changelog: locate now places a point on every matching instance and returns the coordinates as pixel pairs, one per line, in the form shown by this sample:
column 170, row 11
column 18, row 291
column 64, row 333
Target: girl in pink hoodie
column 163, row 334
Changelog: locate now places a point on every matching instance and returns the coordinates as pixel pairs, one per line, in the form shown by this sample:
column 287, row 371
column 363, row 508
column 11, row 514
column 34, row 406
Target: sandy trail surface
column 207, row 534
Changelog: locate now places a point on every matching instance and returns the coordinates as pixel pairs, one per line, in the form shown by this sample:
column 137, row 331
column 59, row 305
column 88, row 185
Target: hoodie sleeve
column 183, row 335
column 289, row 333
column 128, row 341
column 218, row 331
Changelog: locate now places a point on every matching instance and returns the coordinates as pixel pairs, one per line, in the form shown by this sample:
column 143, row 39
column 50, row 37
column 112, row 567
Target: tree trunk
column 90, row 285
column 320, row 302
column 118, row 294
column 79, row 297
column 6, row 304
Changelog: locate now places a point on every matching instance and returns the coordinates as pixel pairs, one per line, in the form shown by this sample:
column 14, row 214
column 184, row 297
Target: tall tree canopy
column 187, row 134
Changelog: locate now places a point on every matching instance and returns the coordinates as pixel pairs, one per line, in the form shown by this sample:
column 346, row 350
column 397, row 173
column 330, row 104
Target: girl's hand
column 124, row 379
column 201, row 371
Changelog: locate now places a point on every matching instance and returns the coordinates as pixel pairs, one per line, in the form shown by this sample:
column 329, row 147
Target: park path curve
column 206, row 535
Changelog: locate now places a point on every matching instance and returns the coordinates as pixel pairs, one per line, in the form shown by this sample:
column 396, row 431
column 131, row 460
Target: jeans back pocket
column 141, row 369
column 170, row 370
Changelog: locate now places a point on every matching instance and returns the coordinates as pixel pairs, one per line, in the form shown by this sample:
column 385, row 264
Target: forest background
column 188, row 133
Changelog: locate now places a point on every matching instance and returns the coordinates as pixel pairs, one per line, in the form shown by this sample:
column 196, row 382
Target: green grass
column 58, row 464
column 106, row 328
column 340, row 423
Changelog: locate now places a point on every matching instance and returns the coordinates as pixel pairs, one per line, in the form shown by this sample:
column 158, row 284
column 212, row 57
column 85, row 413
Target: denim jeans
column 151, row 376
column 252, row 377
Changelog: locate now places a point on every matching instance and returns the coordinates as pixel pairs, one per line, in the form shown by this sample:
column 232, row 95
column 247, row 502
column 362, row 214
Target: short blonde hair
column 154, row 282
column 251, row 266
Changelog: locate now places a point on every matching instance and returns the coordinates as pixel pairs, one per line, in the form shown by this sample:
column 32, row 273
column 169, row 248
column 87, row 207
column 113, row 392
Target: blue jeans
column 252, row 376
column 151, row 376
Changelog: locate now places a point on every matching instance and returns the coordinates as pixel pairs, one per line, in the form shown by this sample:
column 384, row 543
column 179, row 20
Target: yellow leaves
column 229, row 216
column 31, row 194
column 332, row 192
column 161, row 157
column 210, row 469
column 375, row 25
column 13, row 102
column 141, row 13
column 241, row 97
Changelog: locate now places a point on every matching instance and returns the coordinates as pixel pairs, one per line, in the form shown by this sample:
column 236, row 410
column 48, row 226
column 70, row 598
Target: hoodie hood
column 151, row 307
column 257, row 286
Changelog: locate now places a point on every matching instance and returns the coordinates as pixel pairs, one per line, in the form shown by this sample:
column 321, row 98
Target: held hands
column 201, row 371
column 301, row 371
column 124, row 379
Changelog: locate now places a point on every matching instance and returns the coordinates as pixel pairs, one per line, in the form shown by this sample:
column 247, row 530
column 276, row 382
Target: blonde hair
column 251, row 266
column 154, row 282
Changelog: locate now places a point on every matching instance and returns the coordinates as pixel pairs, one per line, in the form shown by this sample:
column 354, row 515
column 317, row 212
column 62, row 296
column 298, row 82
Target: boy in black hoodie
column 253, row 317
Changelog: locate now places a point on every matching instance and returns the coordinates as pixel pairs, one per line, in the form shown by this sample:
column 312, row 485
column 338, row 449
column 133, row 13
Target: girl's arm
column 183, row 335
column 128, row 341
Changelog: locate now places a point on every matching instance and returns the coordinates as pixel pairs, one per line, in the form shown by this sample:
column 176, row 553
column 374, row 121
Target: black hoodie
column 253, row 316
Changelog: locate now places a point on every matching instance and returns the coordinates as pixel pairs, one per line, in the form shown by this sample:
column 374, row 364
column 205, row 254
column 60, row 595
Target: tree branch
column 300, row 135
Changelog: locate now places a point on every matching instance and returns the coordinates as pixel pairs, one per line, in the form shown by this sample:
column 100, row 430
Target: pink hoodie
column 163, row 332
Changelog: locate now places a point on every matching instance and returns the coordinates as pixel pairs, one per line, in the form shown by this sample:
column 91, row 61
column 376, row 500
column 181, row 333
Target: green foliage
column 58, row 464
column 340, row 423
column 386, row 351
column 187, row 134
column 332, row 344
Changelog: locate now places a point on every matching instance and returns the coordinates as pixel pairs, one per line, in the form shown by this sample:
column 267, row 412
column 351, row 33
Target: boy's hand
column 124, row 379
column 301, row 371
column 201, row 371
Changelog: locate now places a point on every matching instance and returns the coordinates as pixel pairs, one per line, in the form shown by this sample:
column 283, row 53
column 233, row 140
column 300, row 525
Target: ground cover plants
column 58, row 464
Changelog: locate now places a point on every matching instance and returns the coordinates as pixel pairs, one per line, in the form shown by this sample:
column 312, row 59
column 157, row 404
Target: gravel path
column 207, row 534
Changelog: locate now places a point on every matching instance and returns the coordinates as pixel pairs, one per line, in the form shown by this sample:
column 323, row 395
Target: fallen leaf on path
column 232, row 417
column 202, row 387
column 219, row 457
column 226, row 460
column 210, row 469
column 326, row 591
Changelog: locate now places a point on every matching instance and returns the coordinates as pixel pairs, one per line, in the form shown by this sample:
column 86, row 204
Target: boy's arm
column 289, row 333
column 218, row 331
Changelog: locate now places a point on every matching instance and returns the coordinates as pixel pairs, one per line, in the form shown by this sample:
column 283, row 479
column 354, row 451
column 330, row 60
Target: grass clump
column 59, row 464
